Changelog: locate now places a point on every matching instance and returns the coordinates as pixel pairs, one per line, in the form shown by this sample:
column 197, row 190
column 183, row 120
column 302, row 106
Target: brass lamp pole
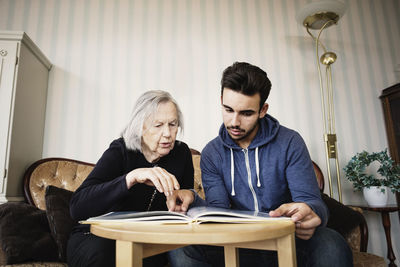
column 319, row 16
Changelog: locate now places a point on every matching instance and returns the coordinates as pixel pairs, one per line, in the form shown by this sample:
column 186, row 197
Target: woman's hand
column 163, row 181
column 180, row 200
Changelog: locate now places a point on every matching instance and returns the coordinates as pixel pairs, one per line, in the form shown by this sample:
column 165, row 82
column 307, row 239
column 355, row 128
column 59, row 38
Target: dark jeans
column 85, row 249
column 326, row 248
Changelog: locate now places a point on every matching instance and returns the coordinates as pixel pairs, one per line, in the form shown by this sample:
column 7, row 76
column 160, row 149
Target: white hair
column 146, row 106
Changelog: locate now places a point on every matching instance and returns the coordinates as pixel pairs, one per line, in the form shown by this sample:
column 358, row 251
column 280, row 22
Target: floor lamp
column 319, row 16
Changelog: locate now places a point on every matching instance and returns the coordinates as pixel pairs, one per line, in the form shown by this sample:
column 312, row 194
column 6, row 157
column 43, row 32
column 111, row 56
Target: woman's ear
column 263, row 110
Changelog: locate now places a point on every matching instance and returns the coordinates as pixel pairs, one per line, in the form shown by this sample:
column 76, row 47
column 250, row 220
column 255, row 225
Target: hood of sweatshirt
column 267, row 131
column 276, row 168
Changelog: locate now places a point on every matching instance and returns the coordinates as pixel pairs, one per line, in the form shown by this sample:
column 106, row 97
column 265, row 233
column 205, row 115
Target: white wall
column 106, row 53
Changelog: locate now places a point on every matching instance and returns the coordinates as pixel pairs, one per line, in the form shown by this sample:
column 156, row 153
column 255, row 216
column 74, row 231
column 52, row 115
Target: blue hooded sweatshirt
column 275, row 169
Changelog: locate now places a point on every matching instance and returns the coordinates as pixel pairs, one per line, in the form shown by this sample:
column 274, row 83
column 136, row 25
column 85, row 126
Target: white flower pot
column 375, row 197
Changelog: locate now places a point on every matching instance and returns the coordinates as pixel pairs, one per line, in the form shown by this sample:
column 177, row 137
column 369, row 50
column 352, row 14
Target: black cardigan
column 105, row 189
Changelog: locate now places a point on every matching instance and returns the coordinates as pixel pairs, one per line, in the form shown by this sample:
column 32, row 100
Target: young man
column 257, row 164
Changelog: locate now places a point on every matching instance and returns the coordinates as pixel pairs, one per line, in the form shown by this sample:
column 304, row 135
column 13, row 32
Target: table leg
column 386, row 226
column 128, row 254
column 286, row 251
column 231, row 256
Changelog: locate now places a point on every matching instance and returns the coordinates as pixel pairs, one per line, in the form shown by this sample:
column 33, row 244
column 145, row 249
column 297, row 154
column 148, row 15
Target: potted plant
column 369, row 184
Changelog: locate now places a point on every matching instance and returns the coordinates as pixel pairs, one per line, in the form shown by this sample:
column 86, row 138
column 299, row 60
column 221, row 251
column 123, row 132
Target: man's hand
column 305, row 218
column 180, row 200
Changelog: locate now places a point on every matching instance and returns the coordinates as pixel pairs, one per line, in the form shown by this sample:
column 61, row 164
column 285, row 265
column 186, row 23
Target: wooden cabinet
column 391, row 110
column 24, row 72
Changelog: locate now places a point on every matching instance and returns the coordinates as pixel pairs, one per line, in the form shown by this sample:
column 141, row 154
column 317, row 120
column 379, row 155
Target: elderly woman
column 137, row 172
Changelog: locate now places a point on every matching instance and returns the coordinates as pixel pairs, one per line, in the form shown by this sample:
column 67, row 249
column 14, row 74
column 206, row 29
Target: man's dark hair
column 246, row 79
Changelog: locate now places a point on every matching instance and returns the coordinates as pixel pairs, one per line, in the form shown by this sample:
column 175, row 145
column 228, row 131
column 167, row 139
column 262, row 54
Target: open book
column 193, row 215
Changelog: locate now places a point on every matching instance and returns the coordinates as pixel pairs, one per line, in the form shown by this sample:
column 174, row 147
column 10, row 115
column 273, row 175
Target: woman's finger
column 166, row 180
column 172, row 181
column 156, row 182
column 160, row 178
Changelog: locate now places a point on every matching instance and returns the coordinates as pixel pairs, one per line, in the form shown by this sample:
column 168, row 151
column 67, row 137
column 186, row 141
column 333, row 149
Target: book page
column 140, row 216
column 195, row 215
column 215, row 214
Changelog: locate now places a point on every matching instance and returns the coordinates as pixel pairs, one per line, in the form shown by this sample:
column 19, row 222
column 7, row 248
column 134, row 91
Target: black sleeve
column 103, row 188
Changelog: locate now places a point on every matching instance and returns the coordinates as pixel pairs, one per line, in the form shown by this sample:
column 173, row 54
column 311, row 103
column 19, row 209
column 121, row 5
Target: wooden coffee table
column 135, row 241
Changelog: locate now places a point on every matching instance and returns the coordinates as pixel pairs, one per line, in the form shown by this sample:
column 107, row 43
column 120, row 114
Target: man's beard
column 241, row 130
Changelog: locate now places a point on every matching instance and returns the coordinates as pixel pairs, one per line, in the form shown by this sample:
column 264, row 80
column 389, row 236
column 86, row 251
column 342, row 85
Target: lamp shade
column 315, row 14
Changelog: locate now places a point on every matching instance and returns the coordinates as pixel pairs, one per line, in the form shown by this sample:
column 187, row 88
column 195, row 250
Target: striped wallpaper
column 106, row 53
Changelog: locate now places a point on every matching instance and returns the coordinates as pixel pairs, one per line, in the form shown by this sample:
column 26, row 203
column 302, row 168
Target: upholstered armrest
column 198, row 187
column 59, row 172
column 350, row 223
column 358, row 237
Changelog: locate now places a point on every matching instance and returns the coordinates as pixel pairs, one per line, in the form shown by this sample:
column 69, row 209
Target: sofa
column 35, row 233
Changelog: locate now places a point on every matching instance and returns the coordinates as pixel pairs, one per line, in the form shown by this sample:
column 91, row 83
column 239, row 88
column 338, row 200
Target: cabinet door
column 8, row 57
column 391, row 110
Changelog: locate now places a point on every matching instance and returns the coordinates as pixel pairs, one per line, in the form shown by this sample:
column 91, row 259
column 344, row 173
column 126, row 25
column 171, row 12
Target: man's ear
column 263, row 110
